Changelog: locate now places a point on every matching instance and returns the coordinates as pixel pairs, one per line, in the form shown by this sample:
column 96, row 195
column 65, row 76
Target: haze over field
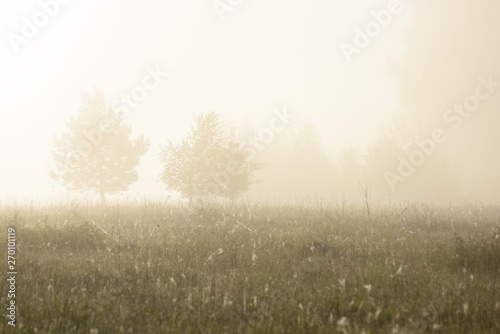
column 244, row 166
column 376, row 89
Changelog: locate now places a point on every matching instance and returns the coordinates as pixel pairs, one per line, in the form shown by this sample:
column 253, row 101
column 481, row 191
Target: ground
column 254, row 268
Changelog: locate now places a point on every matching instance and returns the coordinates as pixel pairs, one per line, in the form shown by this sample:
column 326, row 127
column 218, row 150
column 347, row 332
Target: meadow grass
column 255, row 268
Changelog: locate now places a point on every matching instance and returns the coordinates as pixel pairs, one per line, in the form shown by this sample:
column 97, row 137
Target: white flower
column 342, row 322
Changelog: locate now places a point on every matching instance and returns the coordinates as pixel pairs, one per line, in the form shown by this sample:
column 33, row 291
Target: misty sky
column 261, row 56
column 242, row 64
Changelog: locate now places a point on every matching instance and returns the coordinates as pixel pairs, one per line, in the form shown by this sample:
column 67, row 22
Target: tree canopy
column 96, row 152
column 207, row 162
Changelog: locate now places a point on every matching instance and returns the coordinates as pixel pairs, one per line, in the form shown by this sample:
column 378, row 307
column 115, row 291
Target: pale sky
column 264, row 54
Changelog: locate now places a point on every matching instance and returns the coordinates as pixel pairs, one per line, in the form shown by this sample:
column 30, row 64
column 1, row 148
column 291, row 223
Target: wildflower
column 342, row 323
column 465, row 307
column 377, row 313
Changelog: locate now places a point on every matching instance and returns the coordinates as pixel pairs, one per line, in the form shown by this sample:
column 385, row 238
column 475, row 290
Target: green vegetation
column 151, row 268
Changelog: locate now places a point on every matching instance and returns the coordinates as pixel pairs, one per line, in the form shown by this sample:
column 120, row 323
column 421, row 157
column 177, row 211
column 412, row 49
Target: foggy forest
column 230, row 166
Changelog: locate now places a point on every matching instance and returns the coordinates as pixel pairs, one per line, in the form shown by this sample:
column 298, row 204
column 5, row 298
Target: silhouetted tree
column 96, row 153
column 306, row 170
column 315, row 172
column 382, row 157
column 207, row 162
column 350, row 173
column 392, row 174
column 436, row 73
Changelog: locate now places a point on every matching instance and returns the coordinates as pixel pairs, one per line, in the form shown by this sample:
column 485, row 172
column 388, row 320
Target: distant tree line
column 97, row 154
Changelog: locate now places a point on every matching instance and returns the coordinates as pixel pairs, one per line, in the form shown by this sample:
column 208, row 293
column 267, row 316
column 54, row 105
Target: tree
column 436, row 72
column 96, row 153
column 207, row 161
column 382, row 157
column 298, row 167
column 315, row 175
column 350, row 173
column 392, row 175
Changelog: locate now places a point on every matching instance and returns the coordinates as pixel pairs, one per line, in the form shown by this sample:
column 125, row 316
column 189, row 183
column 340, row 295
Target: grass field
column 151, row 268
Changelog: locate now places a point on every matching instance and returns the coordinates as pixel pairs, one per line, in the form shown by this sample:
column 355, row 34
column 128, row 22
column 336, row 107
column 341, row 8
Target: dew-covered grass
column 255, row 268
